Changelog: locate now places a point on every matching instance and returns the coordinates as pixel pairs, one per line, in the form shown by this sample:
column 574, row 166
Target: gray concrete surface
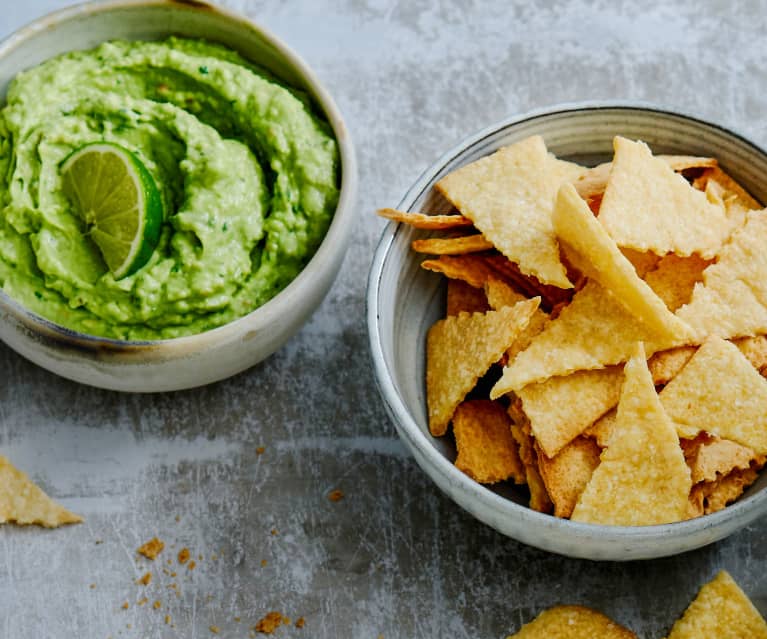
column 394, row 558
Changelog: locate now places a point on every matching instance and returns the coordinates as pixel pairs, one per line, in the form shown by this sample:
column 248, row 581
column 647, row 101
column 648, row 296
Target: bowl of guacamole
column 252, row 174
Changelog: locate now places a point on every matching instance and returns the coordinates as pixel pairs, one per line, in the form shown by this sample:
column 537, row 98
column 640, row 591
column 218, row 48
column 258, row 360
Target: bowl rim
column 336, row 236
column 748, row 508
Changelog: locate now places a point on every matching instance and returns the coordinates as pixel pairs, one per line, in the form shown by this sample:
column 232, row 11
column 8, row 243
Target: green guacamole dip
column 248, row 174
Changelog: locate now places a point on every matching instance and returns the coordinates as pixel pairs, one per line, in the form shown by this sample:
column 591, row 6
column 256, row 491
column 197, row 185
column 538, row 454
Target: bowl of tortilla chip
column 567, row 318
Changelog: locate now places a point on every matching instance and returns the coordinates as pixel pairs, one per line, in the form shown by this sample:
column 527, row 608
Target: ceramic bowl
column 187, row 361
column 404, row 300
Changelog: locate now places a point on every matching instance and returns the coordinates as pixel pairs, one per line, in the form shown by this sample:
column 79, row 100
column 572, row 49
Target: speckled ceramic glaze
column 404, row 300
column 188, row 361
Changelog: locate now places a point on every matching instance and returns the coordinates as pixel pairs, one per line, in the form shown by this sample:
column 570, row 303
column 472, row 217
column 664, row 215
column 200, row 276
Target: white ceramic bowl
column 187, row 361
column 404, row 300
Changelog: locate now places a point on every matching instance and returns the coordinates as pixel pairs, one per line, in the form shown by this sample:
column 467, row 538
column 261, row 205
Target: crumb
column 214, row 557
column 263, row 563
column 214, row 629
column 335, row 495
column 300, row 622
column 152, row 548
column 251, row 634
column 260, row 450
column 145, row 579
column 172, row 586
column 199, row 557
column 286, row 621
column 93, row 586
column 128, row 626
column 178, row 518
column 173, row 574
column 167, row 620
column 237, row 619
column 126, row 605
column 274, row 531
column 142, row 601
column 192, row 565
column 183, row 555
column 170, row 561
column 156, row 605
column 269, row 623
column 99, row 542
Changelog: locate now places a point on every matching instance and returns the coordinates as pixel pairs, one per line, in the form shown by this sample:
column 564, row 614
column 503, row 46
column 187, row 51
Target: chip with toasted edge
column 592, row 332
column 572, row 622
column 720, row 611
column 427, row 222
column 592, row 182
column 719, row 392
column 539, row 498
column 452, row 245
column 528, row 285
column 500, row 294
column 487, row 452
column 602, row 429
column 711, row 496
column 566, row 474
column 729, row 186
column 509, row 195
column 730, row 302
column 24, row 503
column 675, row 277
column 464, row 298
column 665, row 365
column 459, row 350
column 561, row 408
column 472, row 269
column 754, row 349
column 643, row 263
column 642, row 478
column 710, row 457
column 593, row 252
column 647, row 206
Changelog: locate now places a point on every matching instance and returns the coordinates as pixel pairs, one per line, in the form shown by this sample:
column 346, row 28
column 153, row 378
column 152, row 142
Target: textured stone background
column 394, row 558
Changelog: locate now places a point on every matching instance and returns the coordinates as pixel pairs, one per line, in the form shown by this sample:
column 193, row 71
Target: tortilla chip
column 460, row 350
column 427, row 222
column 665, row 365
column 755, row 350
column 528, row 285
column 487, row 452
column 452, row 245
column 23, row 503
column 561, row 408
column 642, row 478
column 509, row 196
column 715, row 380
column 711, row 458
column 539, row 498
column 472, row 269
column 720, row 611
column 464, row 298
column 675, row 277
column 572, row 622
column 566, row 474
column 646, row 206
column 729, row 301
column 643, row 263
column 711, row 496
column 730, row 187
column 592, row 332
column 602, row 429
column 500, row 294
column 594, row 253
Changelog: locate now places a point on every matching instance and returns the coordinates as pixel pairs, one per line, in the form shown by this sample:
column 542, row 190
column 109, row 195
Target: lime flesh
column 118, row 199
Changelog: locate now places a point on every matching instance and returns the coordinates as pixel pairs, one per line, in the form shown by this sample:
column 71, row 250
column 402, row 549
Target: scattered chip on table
column 23, row 503
column 720, row 611
column 719, row 392
column 452, row 245
column 427, row 222
column 567, row 473
column 642, row 478
column 572, row 622
column 461, row 349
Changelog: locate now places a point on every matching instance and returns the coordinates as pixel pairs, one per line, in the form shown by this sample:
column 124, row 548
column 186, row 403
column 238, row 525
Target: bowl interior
column 409, row 299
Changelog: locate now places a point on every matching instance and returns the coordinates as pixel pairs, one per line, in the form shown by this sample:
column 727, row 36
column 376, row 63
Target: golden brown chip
column 459, row 350
column 642, row 478
column 452, row 245
column 720, row 611
column 428, row 222
column 464, row 298
column 592, row 332
column 487, row 452
column 509, row 195
column 646, row 206
column 643, row 263
column 730, row 187
column 665, row 365
column 755, row 350
column 500, row 294
column 528, row 285
column 675, row 277
column 719, row 392
column 572, row 622
column 472, row 269
column 593, row 252
column 710, row 457
column 24, row 503
column 566, row 474
column 539, row 498
column 711, row 496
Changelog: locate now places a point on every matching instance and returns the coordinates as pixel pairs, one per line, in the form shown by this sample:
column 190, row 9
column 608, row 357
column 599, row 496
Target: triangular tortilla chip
column 567, row 473
column 539, row 498
column 509, row 196
column 464, row 298
column 720, row 611
column 472, row 269
column 459, row 350
column 643, row 263
column 674, row 279
column 718, row 391
column 487, row 452
column 500, row 294
column 710, row 457
column 754, row 349
column 732, row 300
column 602, row 429
column 665, row 365
column 572, row 622
column 593, row 331
column 23, row 503
column 647, row 206
column 642, row 478
column 711, row 496
column 452, row 245
column 593, row 252
column 428, row 222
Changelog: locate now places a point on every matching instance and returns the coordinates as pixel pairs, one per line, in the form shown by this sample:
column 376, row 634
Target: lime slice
column 118, row 199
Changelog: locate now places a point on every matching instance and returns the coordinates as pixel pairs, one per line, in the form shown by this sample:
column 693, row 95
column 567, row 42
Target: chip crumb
column 142, row 601
column 269, row 623
column 167, row 620
column 93, row 586
column 125, row 606
column 99, row 542
column 263, row 563
column 152, row 548
column 274, row 531
column 260, row 450
column 335, row 495
column 214, row 629
column 300, row 622
column 173, row 574
column 145, row 579
column 237, row 619
column 192, row 565
column 156, row 605
column 183, row 555
column 178, row 518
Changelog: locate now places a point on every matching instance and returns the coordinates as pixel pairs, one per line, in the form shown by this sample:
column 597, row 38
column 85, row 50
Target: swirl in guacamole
column 248, row 175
